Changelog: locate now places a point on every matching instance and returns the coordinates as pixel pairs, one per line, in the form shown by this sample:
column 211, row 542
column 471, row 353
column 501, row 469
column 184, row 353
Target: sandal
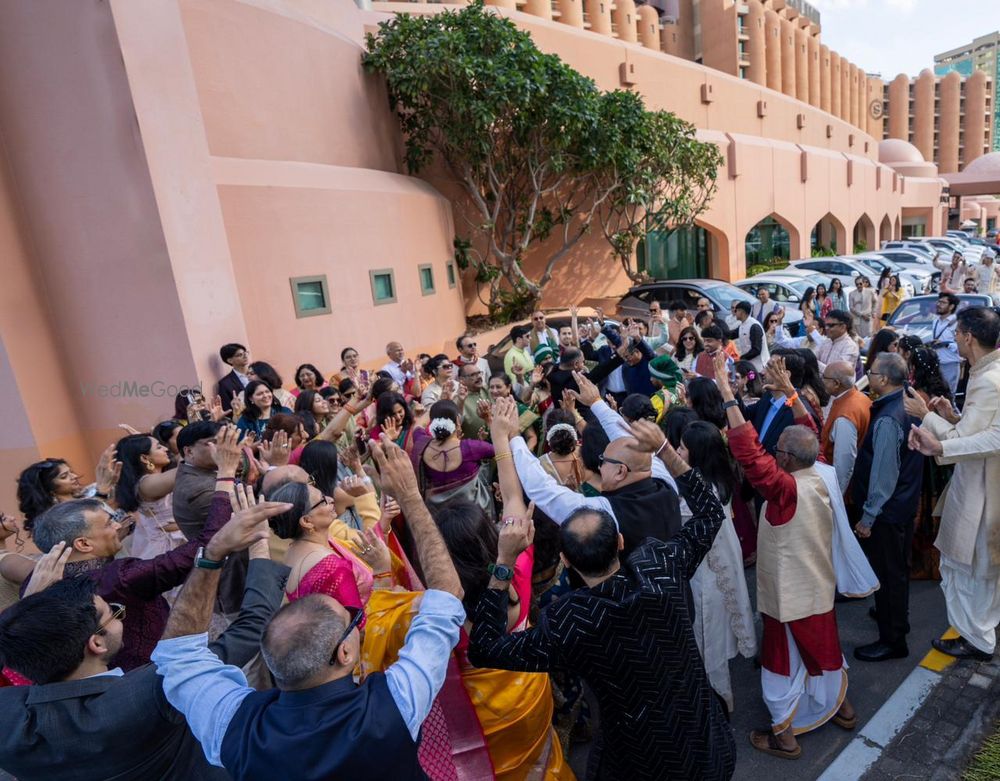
column 843, row 723
column 765, row 741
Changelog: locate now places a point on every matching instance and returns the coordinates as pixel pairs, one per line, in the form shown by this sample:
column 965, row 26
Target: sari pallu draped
column 499, row 722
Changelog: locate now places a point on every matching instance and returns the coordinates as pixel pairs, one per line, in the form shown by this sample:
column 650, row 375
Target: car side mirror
column 793, row 299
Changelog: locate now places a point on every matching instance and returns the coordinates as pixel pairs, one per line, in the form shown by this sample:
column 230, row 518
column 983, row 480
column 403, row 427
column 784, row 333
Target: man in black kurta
column 629, row 635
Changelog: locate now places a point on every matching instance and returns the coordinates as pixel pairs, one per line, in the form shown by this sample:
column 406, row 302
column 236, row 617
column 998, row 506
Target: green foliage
column 823, row 252
column 860, row 247
column 539, row 150
column 774, row 264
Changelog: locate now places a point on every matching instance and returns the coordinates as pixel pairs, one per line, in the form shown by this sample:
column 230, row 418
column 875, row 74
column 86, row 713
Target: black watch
column 500, row 571
column 201, row 562
column 731, row 403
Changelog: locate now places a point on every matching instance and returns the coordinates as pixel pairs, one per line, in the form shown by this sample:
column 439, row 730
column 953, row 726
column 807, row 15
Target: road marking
column 867, row 746
column 937, row 661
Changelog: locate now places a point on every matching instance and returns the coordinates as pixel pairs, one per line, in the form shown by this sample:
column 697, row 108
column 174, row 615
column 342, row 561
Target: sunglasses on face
column 606, row 460
column 117, row 612
column 359, row 614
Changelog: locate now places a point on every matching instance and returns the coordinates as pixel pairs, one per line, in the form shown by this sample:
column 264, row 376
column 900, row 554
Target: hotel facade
column 179, row 174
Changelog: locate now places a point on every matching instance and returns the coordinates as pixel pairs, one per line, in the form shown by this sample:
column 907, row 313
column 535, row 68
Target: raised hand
column 237, row 405
column 108, row 471
column 247, row 526
column 780, row 379
column 537, row 375
column 518, row 368
column 504, row 422
column 589, row 394
column 216, row 411
column 395, row 468
column 128, row 429
column 351, row 458
column 648, row 435
column 942, row 407
column 373, row 552
column 610, row 400
column 388, row 510
column 483, row 410
column 516, row 534
column 276, row 452
column 48, row 569
column 720, row 362
column 391, row 428
column 569, row 398
column 356, row 486
column 226, row 451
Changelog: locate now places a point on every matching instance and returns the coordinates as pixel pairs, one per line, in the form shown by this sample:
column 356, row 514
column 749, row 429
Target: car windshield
column 727, row 294
column 920, row 311
column 800, row 286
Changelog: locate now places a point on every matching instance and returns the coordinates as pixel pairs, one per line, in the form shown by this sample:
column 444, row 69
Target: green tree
column 540, row 152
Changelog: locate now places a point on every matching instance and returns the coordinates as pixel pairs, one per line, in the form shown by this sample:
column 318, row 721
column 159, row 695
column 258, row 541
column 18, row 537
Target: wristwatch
column 731, row 403
column 203, row 563
column 500, row 571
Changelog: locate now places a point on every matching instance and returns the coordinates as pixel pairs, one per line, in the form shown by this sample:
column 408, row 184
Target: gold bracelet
column 501, row 456
column 386, row 574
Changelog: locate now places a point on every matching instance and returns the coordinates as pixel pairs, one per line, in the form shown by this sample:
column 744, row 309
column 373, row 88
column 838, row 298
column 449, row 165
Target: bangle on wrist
column 790, row 401
column 386, row 574
column 225, row 479
column 503, row 455
column 660, row 448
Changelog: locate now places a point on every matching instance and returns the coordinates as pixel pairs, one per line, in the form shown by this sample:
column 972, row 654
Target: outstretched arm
column 400, row 482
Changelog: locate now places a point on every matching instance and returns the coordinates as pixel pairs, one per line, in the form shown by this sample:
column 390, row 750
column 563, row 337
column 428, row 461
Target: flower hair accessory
column 557, row 428
column 441, row 424
column 751, row 375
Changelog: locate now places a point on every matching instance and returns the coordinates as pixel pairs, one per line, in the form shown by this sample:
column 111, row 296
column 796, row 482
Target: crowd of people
column 437, row 568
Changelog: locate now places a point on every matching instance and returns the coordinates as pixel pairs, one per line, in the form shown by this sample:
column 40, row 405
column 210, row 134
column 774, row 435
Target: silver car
column 843, row 269
column 915, row 316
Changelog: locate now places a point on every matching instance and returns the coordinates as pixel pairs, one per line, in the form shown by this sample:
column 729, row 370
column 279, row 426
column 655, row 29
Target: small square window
column 450, row 269
column 310, row 296
column 383, row 286
column 426, row 279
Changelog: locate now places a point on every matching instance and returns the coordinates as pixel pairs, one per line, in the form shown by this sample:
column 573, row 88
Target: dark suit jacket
column 109, row 727
column 229, row 385
column 757, row 414
column 631, row 639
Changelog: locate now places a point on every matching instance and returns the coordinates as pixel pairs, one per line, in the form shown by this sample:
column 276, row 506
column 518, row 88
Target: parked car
column 554, row 319
column 812, row 277
column 721, row 294
column 845, row 270
column 916, row 281
column 783, row 288
column 915, row 315
column 917, row 245
column 908, row 261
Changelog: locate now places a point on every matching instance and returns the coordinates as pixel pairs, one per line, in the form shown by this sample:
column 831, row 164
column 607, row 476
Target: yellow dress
column 890, row 300
column 514, row 709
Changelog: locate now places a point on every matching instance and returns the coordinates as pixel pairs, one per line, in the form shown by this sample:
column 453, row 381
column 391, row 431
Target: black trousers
column 888, row 551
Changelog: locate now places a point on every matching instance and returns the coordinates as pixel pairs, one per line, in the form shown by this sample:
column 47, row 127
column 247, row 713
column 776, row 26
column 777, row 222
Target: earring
column 150, row 467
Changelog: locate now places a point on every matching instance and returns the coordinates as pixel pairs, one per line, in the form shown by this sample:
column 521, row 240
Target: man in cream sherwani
column 969, row 538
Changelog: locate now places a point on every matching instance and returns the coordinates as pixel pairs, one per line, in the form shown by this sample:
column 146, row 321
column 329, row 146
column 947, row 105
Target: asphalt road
column 869, row 686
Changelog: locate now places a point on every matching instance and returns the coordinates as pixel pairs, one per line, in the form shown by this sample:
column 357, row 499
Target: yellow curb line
column 937, row 661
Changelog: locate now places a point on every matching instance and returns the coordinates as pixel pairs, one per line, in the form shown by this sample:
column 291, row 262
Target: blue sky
column 902, row 36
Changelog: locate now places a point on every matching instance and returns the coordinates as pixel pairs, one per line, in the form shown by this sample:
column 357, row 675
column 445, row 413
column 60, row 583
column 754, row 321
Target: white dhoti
column 972, row 595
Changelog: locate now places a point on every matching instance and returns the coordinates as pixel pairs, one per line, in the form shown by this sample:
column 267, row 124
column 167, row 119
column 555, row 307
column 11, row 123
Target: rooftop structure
column 980, row 54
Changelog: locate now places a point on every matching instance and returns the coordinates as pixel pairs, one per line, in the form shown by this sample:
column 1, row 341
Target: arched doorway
column 766, row 241
column 897, row 232
column 884, row 231
column 828, row 237
column 678, row 253
column 863, row 235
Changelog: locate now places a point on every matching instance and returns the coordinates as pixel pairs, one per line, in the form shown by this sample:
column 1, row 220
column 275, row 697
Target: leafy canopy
column 539, row 150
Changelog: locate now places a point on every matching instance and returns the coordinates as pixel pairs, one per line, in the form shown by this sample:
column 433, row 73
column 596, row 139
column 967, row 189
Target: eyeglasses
column 688, row 339
column 870, row 373
column 605, row 460
column 117, row 612
column 333, row 400
column 786, row 452
column 359, row 614
column 349, row 394
column 468, row 344
column 326, row 500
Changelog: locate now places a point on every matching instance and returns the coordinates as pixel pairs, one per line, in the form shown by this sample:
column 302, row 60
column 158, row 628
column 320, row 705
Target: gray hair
column 893, row 368
column 63, row 522
column 299, row 640
column 801, row 444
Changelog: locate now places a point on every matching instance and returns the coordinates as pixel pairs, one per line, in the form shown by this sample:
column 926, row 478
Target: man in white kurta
column 969, row 537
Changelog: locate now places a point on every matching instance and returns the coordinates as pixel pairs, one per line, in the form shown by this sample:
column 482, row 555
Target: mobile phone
column 908, row 390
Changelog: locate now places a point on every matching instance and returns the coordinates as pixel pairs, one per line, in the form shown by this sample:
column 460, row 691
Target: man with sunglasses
column 468, row 353
column 318, row 723
column 85, row 717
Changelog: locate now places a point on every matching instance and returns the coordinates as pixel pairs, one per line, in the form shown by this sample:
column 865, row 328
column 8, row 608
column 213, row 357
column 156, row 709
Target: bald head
column 282, row 475
column 800, row 445
column 626, row 449
column 300, row 638
column 841, row 373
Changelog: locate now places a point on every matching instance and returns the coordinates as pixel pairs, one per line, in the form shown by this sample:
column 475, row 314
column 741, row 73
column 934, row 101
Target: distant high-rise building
column 949, row 118
column 982, row 54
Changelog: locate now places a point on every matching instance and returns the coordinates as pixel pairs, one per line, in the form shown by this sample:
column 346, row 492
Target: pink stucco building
column 177, row 174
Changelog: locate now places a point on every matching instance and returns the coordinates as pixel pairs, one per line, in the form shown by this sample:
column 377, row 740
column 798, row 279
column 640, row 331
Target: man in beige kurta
column 969, row 538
